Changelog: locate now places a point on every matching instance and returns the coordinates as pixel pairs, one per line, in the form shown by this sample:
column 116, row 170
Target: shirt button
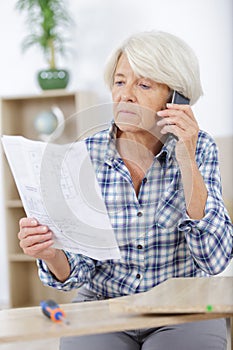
column 144, row 180
column 139, row 246
column 138, row 275
column 139, row 214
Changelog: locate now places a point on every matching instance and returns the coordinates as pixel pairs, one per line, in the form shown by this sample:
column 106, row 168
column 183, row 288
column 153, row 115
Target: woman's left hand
column 180, row 121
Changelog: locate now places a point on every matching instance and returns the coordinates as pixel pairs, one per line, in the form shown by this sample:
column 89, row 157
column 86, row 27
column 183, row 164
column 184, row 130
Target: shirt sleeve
column 82, row 269
column 210, row 239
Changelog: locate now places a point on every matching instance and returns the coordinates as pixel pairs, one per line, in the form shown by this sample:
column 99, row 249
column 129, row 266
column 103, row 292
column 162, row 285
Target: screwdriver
column 53, row 311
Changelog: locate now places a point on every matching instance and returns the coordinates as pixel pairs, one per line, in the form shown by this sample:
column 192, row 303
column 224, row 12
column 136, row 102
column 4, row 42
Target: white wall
column 100, row 24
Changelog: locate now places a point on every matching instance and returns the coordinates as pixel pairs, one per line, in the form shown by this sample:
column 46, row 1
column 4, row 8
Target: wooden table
column 175, row 301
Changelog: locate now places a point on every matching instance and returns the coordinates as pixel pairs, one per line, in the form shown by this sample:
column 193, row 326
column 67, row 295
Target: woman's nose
column 128, row 95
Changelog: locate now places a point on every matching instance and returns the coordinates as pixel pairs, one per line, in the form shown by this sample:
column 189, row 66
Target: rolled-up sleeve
column 210, row 239
column 82, row 269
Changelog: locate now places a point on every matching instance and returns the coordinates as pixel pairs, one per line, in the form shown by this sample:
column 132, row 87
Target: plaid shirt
column 157, row 239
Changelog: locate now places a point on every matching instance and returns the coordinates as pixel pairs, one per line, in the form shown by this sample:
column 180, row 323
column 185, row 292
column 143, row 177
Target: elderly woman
column 160, row 181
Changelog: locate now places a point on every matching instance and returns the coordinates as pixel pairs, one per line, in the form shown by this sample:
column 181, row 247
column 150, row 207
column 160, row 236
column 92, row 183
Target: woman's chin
column 128, row 122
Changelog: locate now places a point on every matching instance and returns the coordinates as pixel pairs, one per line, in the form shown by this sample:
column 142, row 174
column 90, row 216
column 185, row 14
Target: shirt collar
column 168, row 149
column 111, row 151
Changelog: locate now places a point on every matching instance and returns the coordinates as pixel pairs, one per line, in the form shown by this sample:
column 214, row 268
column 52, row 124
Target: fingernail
column 33, row 222
column 160, row 113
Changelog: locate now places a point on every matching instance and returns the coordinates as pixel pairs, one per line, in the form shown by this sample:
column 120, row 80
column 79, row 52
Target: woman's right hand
column 35, row 239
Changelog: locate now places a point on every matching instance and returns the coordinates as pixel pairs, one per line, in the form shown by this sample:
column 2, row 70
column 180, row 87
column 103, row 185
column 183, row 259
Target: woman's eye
column 118, row 82
column 144, row 86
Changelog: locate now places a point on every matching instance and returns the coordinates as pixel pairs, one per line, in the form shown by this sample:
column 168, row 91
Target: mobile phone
column 179, row 99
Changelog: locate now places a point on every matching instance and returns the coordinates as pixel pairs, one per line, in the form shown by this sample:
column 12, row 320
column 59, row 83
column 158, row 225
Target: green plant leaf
column 46, row 21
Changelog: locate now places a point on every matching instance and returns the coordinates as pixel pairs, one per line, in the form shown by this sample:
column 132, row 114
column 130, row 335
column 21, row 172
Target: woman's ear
column 169, row 98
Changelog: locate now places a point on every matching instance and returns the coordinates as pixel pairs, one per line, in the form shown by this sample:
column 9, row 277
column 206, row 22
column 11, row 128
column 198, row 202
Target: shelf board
column 41, row 95
column 19, row 257
column 14, row 203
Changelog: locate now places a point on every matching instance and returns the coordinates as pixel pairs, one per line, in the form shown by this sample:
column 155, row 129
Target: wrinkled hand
column 35, row 239
column 180, row 121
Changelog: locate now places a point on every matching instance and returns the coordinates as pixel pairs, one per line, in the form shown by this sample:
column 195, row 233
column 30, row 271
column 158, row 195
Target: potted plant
column 47, row 20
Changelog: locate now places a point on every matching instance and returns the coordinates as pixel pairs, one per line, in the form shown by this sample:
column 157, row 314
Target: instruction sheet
column 58, row 186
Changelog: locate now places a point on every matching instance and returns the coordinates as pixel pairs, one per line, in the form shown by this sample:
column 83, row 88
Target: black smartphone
column 179, row 99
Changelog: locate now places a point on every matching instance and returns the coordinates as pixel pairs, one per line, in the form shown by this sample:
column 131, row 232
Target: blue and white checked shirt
column 156, row 237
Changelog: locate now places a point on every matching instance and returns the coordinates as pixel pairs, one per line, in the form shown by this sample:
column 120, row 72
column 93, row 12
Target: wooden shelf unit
column 17, row 116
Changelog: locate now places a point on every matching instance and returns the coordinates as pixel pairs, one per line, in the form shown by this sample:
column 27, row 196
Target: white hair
column 162, row 57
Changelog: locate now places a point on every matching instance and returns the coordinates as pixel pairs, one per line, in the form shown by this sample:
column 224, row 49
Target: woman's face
column 136, row 99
